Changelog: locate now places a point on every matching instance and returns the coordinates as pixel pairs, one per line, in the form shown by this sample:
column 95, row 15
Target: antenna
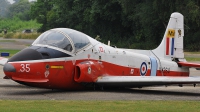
column 109, row 43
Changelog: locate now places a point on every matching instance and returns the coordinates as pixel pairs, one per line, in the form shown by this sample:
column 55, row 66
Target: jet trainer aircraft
column 64, row 58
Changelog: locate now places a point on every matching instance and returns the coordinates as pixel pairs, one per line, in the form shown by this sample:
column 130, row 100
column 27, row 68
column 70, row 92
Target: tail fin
column 172, row 43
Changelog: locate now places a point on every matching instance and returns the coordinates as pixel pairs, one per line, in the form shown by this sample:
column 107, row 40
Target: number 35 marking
column 25, row 68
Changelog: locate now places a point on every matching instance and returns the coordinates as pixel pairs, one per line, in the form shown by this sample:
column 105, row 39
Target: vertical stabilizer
column 172, row 43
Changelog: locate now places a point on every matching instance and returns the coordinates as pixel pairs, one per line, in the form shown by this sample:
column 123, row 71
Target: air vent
column 45, row 55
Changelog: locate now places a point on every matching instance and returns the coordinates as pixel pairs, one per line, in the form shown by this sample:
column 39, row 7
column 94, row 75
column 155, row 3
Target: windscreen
column 55, row 39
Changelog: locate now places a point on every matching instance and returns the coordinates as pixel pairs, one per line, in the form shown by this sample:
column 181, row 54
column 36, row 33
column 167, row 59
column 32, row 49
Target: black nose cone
column 9, row 68
column 26, row 54
column 37, row 53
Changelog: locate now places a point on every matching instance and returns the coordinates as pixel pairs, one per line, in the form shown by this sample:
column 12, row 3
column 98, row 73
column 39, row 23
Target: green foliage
column 15, row 24
column 135, row 23
column 20, row 9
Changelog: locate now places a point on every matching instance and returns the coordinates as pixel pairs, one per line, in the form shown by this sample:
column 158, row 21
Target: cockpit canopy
column 63, row 38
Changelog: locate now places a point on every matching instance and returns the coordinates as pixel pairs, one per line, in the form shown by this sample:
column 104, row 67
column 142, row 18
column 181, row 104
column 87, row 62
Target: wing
column 137, row 81
column 3, row 61
column 188, row 64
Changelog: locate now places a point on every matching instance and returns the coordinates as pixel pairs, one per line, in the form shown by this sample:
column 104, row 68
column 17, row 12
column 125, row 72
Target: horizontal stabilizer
column 3, row 61
column 135, row 81
column 188, row 64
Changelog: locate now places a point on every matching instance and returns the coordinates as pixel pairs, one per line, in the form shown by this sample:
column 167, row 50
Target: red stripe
column 167, row 46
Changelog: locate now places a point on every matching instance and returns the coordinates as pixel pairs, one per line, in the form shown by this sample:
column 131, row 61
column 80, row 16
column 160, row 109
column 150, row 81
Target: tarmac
column 10, row 90
column 17, row 44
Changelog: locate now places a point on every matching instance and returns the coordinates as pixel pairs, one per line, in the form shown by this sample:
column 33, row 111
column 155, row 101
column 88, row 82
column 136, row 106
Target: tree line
column 16, row 17
column 126, row 23
column 19, row 9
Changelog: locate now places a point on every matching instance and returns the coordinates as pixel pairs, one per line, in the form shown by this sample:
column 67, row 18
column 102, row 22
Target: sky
column 11, row 1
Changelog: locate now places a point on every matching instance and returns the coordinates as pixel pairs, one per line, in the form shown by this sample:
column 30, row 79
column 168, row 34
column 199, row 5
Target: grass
column 21, row 35
column 192, row 58
column 98, row 106
column 192, row 52
column 11, row 51
column 7, row 41
column 1, row 34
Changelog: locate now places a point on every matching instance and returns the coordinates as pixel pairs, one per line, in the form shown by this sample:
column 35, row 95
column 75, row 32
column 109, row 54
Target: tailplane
column 172, row 44
column 3, row 61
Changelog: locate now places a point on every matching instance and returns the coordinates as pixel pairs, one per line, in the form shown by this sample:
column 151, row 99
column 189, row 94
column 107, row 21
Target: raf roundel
column 143, row 69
